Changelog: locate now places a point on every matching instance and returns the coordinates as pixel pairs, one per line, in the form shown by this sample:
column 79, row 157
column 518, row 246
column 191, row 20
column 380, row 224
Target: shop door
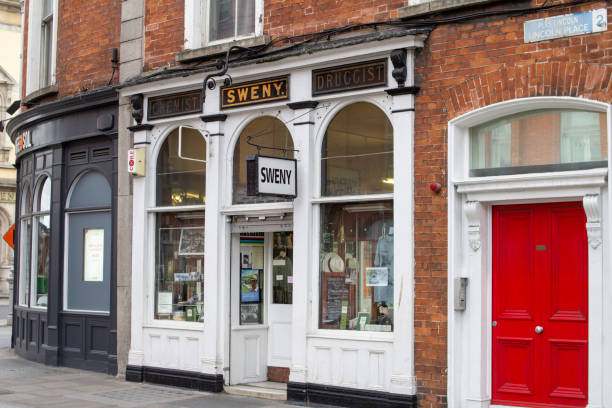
column 540, row 300
column 249, row 333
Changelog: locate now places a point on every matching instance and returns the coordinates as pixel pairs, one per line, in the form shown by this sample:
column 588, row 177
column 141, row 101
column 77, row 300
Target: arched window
column 179, row 231
column 272, row 135
column 41, row 240
column 539, row 141
column 25, row 245
column 356, row 238
column 88, row 244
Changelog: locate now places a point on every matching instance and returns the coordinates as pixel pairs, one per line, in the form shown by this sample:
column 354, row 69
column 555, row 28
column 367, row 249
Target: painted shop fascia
column 66, row 199
column 191, row 323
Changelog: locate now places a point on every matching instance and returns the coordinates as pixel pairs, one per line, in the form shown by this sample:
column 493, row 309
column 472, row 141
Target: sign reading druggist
column 587, row 22
column 349, row 77
column 271, row 176
column 250, row 93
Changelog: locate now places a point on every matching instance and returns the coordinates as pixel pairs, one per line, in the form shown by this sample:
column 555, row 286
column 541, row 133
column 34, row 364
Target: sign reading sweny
column 271, row 176
column 250, row 93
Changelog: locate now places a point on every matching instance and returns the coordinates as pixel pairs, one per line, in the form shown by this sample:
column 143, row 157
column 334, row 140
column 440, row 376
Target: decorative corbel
column 592, row 208
column 137, row 107
column 400, row 71
column 472, row 213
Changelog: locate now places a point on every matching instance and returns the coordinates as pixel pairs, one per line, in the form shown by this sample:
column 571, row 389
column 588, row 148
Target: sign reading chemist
column 271, row 176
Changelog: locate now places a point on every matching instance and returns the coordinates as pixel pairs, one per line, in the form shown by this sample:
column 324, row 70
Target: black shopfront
column 65, row 251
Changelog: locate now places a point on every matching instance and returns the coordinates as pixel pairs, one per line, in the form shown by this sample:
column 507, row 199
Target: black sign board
column 344, row 78
column 274, row 176
column 167, row 106
column 250, row 93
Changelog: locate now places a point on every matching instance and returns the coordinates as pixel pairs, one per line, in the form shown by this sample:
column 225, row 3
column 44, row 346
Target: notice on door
column 93, row 254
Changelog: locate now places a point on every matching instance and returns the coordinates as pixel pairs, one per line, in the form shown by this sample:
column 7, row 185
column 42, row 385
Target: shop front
column 271, row 221
column 64, row 303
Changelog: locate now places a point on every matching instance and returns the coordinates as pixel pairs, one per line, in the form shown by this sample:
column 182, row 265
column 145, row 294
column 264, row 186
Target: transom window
column 539, row 141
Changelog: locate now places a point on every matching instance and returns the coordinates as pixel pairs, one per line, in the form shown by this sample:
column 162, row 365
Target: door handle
column 539, row 329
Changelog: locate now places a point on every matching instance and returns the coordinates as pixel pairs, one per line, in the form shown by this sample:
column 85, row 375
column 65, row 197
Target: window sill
column 436, row 6
column 39, row 94
column 354, row 335
column 218, row 49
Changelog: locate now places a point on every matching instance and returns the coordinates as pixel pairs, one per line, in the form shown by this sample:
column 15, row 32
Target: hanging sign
column 349, row 77
column 250, row 93
column 587, row 22
column 274, row 176
column 167, row 106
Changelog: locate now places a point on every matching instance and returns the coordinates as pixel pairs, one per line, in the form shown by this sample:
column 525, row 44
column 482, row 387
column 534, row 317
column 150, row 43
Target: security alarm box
column 136, row 161
column 460, row 293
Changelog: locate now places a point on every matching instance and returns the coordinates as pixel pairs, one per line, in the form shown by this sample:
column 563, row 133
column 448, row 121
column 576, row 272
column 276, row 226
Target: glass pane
column 25, row 248
column 356, row 266
column 43, row 203
column 282, row 268
column 47, row 8
column 543, row 140
column 246, row 17
column 265, row 131
column 357, row 153
column 222, row 19
column 179, row 265
column 182, row 181
column 26, row 201
column 251, row 278
column 40, row 285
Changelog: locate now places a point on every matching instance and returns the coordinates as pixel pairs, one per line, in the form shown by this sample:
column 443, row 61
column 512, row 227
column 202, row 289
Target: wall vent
column 100, row 152
column 82, row 155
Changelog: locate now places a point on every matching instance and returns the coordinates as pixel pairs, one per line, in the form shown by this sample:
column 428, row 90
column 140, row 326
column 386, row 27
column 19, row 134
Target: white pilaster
column 302, row 238
column 214, row 264
column 592, row 208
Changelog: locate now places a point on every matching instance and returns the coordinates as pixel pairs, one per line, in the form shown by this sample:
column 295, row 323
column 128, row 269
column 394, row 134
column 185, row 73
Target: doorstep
column 265, row 389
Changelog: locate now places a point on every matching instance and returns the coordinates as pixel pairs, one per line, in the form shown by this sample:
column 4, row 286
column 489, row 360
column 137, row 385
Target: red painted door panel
column 540, row 278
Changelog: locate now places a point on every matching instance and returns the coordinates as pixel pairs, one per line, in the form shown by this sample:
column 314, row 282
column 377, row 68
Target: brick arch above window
column 591, row 81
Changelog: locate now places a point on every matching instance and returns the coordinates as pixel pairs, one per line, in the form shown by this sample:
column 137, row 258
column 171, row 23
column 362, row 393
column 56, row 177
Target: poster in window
column 93, row 254
column 249, row 313
column 249, row 285
column 192, row 241
column 377, row 276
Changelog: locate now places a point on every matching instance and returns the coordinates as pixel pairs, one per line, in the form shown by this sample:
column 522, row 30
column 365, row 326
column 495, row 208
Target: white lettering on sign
column 587, row 22
column 276, row 176
column 131, row 160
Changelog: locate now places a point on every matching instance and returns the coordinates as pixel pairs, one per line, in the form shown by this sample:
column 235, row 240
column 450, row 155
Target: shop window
column 356, row 238
column 179, row 250
column 274, row 140
column 539, row 141
column 282, row 268
column 25, row 245
column 88, row 244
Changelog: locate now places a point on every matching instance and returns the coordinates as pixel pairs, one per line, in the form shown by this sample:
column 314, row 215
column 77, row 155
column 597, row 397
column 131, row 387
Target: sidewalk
column 25, row 384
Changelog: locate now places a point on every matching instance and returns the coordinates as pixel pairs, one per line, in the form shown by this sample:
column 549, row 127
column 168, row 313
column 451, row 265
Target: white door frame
column 470, row 248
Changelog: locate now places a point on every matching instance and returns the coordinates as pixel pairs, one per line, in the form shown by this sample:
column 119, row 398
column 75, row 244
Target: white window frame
column 35, row 68
column 151, row 224
column 316, row 227
column 197, row 14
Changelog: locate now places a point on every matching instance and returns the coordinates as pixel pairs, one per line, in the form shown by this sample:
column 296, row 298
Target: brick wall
column 466, row 66
column 164, row 23
column 164, row 32
column 87, row 32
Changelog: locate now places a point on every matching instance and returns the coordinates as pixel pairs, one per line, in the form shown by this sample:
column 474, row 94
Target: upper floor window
column 231, row 19
column 42, row 44
column 539, row 141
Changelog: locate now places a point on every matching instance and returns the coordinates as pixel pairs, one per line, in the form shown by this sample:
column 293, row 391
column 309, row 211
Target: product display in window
column 180, row 266
column 357, row 277
column 282, row 268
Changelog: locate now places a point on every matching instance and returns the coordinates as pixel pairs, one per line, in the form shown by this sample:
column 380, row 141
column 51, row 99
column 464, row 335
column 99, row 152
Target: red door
column 540, row 304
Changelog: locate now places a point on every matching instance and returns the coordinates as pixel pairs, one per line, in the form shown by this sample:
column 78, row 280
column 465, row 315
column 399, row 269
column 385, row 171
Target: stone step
column 265, row 389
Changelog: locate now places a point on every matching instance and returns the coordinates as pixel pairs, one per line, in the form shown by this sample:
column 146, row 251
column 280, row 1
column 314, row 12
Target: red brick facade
column 86, row 34
column 465, row 66
column 164, row 33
